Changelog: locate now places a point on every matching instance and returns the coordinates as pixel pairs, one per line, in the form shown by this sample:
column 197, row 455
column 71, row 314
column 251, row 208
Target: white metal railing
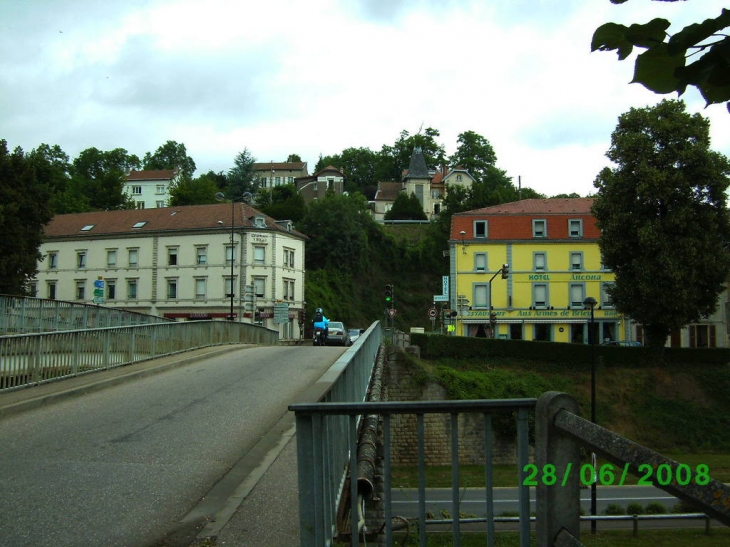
column 35, row 358
column 24, row 314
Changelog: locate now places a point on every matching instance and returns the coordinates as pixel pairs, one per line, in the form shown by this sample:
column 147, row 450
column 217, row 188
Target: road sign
column 391, row 313
column 281, row 312
column 98, row 284
column 432, row 312
column 98, row 292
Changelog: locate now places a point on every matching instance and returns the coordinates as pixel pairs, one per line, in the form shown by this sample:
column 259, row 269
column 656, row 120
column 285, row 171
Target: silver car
column 337, row 334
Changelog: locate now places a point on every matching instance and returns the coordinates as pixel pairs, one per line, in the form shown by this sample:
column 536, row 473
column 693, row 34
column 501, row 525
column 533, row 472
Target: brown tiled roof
column 157, row 174
column 388, row 191
column 542, row 206
column 329, row 168
column 165, row 219
column 280, row 166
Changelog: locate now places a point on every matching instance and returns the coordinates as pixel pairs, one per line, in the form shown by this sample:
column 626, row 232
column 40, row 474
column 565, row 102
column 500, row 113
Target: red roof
column 164, row 219
column 513, row 221
column 158, row 174
column 554, row 206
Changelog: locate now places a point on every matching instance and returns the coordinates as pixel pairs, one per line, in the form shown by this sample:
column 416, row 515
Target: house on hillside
column 329, row 179
column 150, row 189
column 183, row 263
column 550, row 249
column 428, row 185
column 273, row 174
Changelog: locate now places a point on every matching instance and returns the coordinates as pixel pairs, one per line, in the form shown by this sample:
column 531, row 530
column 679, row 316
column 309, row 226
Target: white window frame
column 539, row 228
column 538, row 288
column 133, row 289
column 537, row 257
column 481, row 229
column 259, row 254
column 480, row 262
column 576, row 261
column 201, row 255
column 133, row 258
column 111, row 258
column 80, row 260
column 575, row 228
column 576, row 295
column 172, row 287
column 201, row 288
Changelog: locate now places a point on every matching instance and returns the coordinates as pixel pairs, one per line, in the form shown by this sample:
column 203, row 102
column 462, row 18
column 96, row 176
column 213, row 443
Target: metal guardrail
column 24, row 314
column 327, row 443
column 559, row 432
column 317, row 439
column 30, row 359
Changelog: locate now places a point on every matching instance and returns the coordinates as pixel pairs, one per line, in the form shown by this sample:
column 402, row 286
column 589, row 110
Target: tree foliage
column 24, row 209
column 281, row 202
column 198, row 191
column 663, row 219
column 475, row 154
column 338, row 228
column 100, row 176
column 171, row 155
column 406, row 207
column 695, row 56
column 240, row 178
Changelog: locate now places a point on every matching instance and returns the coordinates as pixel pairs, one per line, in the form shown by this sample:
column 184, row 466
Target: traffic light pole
column 504, row 270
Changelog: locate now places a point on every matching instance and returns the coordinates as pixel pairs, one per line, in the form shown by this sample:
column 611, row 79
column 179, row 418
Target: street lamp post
column 220, row 197
column 590, row 302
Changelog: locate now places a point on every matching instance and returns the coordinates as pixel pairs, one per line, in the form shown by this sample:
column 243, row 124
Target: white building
column 178, row 262
column 150, row 189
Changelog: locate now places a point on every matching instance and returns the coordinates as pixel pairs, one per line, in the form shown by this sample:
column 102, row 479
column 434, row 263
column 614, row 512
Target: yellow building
column 523, row 270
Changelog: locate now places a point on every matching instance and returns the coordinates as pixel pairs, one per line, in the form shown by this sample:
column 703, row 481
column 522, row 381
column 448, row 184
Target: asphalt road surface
column 123, row 466
column 505, row 499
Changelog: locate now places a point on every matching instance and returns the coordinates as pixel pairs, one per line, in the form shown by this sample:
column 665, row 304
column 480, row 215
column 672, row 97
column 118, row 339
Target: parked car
column 626, row 343
column 337, row 334
column 354, row 334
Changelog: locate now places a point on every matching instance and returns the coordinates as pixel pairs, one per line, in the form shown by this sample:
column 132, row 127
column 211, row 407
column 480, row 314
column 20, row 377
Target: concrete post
column 558, row 487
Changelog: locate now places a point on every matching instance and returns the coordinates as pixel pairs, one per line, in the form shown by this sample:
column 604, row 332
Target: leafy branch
column 663, row 67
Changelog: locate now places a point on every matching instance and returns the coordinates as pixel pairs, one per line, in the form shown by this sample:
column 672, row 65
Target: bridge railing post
column 558, row 490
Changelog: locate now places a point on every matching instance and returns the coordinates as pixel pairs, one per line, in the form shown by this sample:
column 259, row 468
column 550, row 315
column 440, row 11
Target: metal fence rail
column 559, row 432
column 322, row 426
column 22, row 315
column 34, row 358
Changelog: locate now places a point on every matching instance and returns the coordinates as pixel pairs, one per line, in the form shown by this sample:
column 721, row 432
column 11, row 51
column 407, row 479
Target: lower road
column 405, row 501
column 131, row 464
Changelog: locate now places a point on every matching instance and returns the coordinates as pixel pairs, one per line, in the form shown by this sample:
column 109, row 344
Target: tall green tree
column 24, row 210
column 241, row 178
column 338, row 228
column 100, row 176
column 406, row 207
column 53, row 168
column 663, row 218
column 697, row 56
column 474, row 153
column 171, row 155
column 197, row 191
column 281, row 202
column 293, row 158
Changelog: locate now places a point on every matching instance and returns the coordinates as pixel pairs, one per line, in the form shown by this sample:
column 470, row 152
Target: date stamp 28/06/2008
column 606, row 474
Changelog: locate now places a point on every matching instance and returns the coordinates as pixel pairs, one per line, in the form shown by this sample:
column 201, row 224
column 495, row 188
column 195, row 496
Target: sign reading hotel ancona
column 572, row 277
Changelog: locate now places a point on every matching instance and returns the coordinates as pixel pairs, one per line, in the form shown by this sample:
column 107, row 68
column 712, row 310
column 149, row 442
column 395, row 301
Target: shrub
column 614, row 509
column 655, row 509
column 634, row 509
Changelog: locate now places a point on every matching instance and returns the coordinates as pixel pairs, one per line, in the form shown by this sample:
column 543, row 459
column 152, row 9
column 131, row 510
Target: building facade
column 273, row 173
column 430, row 186
column 150, row 189
column 329, row 179
column 179, row 262
column 550, row 249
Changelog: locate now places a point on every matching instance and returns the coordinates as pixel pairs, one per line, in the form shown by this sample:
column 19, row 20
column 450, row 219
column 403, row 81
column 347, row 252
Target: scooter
column 319, row 338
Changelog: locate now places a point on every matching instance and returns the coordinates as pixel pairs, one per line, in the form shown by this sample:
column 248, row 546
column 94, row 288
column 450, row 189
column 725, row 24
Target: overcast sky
column 314, row 77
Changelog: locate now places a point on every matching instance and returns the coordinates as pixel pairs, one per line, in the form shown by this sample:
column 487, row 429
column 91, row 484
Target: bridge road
column 154, row 456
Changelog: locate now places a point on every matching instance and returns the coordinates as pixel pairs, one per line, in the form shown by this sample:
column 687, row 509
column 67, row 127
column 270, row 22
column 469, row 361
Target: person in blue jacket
column 321, row 321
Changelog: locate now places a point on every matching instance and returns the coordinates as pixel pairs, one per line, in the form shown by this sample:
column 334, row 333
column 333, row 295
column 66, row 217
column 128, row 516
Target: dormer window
column 87, row 227
column 259, row 222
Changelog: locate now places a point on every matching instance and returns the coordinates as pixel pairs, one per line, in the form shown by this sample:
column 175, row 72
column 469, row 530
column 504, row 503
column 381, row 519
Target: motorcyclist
column 320, row 321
